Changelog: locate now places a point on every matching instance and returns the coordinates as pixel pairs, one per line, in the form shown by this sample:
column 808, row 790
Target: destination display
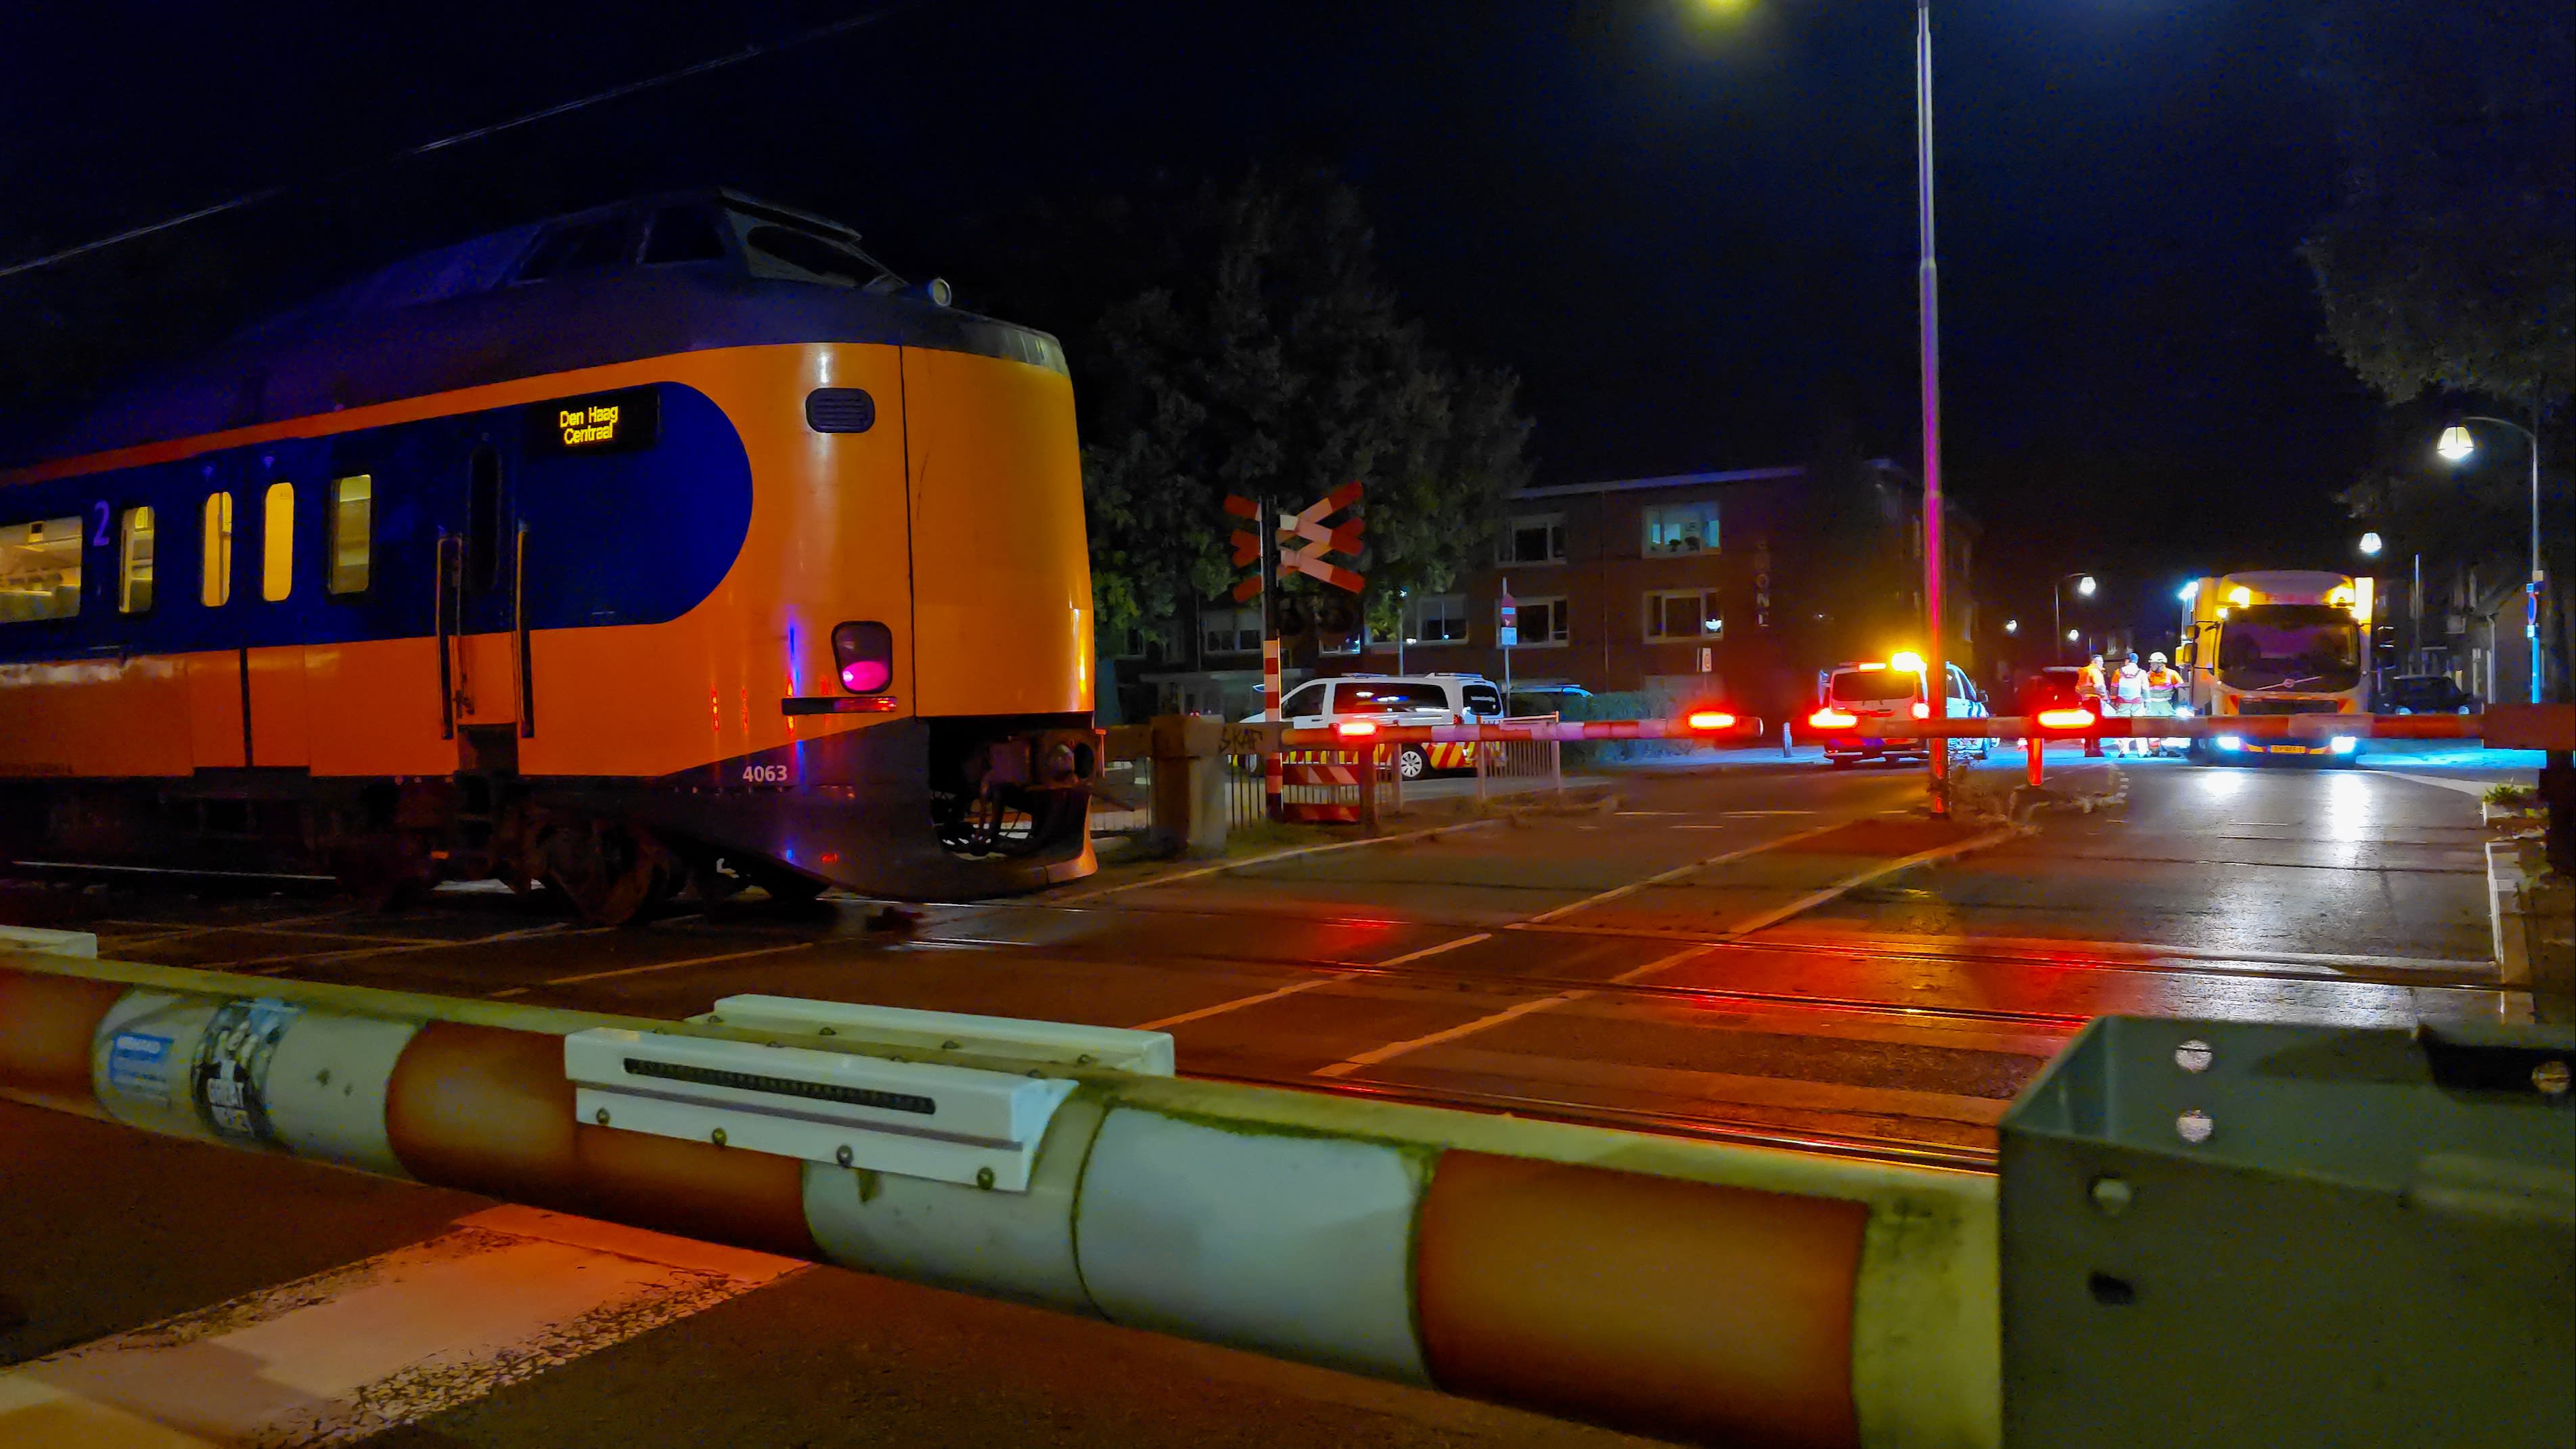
column 609, row 422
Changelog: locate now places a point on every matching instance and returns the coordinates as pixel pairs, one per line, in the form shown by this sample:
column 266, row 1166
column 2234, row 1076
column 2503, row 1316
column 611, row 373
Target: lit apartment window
column 1681, row 528
column 1533, row 539
column 1683, row 614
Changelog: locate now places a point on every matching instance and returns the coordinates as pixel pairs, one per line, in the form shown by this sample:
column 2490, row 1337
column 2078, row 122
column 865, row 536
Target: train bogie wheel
column 386, row 872
column 610, row 873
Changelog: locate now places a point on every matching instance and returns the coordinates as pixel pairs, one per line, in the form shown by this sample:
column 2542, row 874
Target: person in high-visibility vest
column 2128, row 700
column 2163, row 687
column 2089, row 682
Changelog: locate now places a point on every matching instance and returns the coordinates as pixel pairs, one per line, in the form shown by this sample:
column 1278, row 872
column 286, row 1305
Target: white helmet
column 2156, row 658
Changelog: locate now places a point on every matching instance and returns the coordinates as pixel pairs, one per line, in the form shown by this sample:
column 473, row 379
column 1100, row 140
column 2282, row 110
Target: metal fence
column 1513, row 761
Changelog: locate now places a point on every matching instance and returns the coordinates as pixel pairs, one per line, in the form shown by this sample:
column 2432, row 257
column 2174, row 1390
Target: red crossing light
column 2066, row 719
column 1830, row 718
column 1922, row 710
column 1356, row 729
column 1711, row 719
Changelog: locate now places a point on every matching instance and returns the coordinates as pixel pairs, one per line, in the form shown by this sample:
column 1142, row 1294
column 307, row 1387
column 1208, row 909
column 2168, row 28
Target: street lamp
column 2057, row 598
column 2012, row 626
column 2456, row 445
column 1928, row 316
column 2370, row 545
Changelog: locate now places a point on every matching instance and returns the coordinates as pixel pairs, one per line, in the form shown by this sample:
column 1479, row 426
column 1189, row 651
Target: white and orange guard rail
column 1698, row 1291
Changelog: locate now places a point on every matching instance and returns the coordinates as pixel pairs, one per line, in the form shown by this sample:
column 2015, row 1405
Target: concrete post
column 1190, row 806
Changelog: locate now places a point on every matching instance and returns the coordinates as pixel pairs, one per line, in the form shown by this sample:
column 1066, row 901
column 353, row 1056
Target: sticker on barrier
column 231, row 1080
column 138, row 1066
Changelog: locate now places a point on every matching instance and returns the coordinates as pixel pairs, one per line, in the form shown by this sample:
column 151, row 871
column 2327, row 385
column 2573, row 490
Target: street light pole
column 2057, row 607
column 2531, row 588
column 1936, row 678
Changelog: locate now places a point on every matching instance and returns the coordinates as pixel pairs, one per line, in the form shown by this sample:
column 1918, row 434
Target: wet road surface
column 1772, row 954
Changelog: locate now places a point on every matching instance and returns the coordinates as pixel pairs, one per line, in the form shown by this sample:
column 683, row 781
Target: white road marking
column 272, row 965
column 1392, row 1050
column 1675, row 873
column 1810, row 901
column 676, row 965
column 1972, row 943
column 2478, row 788
column 1223, row 866
column 500, row 1297
column 1222, row 1007
column 1749, row 814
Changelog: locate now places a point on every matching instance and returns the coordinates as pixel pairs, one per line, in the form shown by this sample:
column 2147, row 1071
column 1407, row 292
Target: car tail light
column 1356, row 729
column 1830, row 718
column 1711, row 719
column 864, row 650
column 1922, row 710
column 2066, row 719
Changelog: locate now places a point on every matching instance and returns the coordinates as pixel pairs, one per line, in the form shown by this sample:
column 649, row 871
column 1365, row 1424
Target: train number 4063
column 767, row 775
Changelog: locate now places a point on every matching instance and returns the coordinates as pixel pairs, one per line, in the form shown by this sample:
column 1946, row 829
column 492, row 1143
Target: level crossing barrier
column 1702, row 1291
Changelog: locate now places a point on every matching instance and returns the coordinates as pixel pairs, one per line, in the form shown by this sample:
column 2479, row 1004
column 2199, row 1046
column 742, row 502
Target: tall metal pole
column 1936, row 678
column 2531, row 607
column 2531, row 586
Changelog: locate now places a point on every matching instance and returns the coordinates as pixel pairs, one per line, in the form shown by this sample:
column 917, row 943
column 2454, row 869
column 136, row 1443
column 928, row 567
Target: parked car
column 2429, row 694
column 1404, row 699
column 1856, row 693
column 1533, row 699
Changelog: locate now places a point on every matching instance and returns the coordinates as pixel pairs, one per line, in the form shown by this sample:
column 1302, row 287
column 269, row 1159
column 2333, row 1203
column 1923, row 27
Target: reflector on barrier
column 914, row 1119
column 1052, row 1042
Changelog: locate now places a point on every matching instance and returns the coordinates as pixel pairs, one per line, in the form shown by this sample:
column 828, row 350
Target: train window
column 40, row 570
column 215, row 567
column 810, row 255
column 134, row 561
column 353, row 504
column 683, row 234
column 483, row 519
column 581, row 246
column 277, row 543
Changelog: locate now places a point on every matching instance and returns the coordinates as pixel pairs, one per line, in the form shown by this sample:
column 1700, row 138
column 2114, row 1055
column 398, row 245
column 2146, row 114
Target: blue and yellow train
column 675, row 544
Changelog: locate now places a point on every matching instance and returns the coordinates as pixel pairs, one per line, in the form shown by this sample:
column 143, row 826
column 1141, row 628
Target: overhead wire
column 750, row 51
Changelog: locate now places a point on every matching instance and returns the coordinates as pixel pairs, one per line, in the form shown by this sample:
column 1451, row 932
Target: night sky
column 1692, row 237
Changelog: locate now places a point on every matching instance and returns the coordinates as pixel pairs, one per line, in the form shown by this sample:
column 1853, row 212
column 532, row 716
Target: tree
column 1270, row 363
column 2448, row 264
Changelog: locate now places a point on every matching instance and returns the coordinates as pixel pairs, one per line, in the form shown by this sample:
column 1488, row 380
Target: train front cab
column 549, row 660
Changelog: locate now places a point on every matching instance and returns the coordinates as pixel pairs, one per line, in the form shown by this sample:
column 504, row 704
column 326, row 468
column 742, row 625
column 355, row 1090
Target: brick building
column 1731, row 585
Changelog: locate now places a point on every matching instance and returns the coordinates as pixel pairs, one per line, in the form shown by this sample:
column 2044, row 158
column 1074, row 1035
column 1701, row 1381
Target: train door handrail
column 446, row 668
column 519, row 624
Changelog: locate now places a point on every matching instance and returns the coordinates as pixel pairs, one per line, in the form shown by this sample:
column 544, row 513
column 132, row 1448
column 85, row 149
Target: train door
column 481, row 575
column 277, row 509
column 218, row 675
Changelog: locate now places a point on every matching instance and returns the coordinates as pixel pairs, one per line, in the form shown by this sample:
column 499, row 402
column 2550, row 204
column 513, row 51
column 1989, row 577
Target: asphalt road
column 1767, row 952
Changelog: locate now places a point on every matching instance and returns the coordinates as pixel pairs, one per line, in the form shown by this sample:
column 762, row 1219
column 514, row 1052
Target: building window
column 353, row 512
column 1683, row 614
column 277, row 542
column 215, row 560
column 1533, row 539
column 1437, row 619
column 40, row 570
column 1543, row 622
column 1682, row 528
column 134, row 560
column 1231, row 631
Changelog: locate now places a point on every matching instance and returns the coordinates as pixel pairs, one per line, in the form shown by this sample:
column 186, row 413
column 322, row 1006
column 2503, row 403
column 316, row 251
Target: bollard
column 2033, row 744
column 1372, row 767
column 1190, row 805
